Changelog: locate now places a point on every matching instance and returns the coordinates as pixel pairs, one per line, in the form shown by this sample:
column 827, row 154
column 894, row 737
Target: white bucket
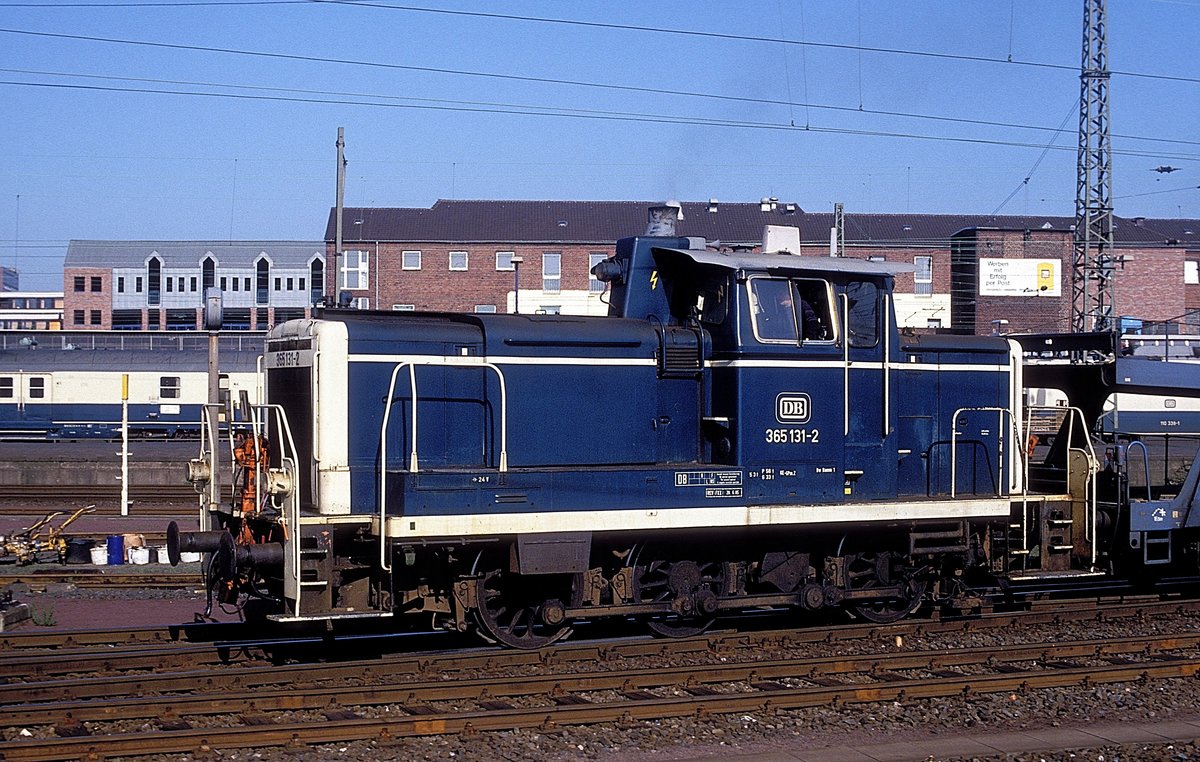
column 100, row 555
column 189, row 558
column 139, row 556
column 163, row 556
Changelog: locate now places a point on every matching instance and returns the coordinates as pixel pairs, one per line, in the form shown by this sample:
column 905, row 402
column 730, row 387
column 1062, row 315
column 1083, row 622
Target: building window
column 223, row 287
column 181, row 320
column 169, row 283
column 154, row 320
column 923, row 277
column 552, row 272
column 97, row 284
column 182, row 283
column 301, row 284
column 236, row 284
column 137, row 284
column 208, row 273
column 291, row 284
column 78, row 316
column 262, row 318
column 356, row 270
column 246, row 283
column 404, row 307
column 458, row 260
column 80, row 283
column 410, row 260
column 193, row 284
column 279, row 284
column 96, row 317
column 316, row 271
column 362, row 303
column 126, row 320
column 168, row 387
column 595, row 258
column 485, row 309
column 120, row 285
column 504, row 261
column 154, row 281
column 1191, row 272
column 262, row 281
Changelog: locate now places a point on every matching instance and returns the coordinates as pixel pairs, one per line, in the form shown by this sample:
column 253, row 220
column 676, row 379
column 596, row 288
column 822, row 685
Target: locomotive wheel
column 863, row 574
column 514, row 609
column 692, row 586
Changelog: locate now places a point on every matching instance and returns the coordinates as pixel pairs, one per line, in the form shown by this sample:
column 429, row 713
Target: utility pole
column 837, row 233
column 1092, row 283
column 341, row 192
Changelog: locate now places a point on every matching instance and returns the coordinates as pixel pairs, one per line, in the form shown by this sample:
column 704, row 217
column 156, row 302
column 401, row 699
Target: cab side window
column 816, row 323
column 771, row 306
column 862, row 318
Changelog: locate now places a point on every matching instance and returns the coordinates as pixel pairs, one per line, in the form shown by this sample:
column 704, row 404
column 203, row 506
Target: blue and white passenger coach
column 743, row 430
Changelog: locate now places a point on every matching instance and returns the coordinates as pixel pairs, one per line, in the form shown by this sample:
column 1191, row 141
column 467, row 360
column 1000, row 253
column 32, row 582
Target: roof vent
column 1047, row 226
column 712, row 206
column 782, row 239
column 562, row 223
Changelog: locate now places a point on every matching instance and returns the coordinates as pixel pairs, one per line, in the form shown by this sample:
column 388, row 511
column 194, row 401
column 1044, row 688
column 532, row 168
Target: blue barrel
column 116, row 549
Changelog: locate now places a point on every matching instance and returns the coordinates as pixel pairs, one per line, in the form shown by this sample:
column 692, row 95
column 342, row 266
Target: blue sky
column 736, row 114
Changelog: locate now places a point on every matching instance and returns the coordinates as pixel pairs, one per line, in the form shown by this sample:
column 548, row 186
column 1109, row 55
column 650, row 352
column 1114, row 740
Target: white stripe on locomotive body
column 651, row 362
column 491, row 524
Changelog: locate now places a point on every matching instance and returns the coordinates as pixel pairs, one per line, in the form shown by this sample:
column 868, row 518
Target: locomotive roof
column 787, row 261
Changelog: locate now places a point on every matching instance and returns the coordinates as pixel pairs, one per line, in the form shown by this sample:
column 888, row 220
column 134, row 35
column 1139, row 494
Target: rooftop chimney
column 663, row 219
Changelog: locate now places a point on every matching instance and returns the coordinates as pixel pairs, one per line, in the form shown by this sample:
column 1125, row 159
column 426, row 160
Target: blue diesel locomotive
column 743, row 431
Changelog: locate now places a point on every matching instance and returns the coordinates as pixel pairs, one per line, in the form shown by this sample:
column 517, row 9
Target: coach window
column 862, row 319
column 6, row 387
column 168, row 387
column 37, row 387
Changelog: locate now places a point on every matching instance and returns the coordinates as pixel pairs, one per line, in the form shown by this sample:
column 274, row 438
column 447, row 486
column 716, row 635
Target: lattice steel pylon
column 1092, row 283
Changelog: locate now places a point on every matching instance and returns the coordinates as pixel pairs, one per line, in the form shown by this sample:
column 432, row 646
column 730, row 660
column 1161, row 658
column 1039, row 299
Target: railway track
column 100, row 577
column 482, row 689
column 373, row 702
column 150, row 500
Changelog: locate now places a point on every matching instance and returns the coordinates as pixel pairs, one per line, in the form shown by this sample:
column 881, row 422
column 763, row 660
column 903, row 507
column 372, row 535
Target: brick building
column 156, row 285
column 457, row 256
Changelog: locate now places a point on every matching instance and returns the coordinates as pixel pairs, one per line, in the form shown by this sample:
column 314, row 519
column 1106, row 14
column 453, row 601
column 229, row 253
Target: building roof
column 584, row 222
column 116, row 254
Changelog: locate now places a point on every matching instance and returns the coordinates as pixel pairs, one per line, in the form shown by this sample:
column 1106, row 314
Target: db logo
column 792, row 407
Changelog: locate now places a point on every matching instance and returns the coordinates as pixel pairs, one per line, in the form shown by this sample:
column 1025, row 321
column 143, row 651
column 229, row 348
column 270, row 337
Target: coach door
column 28, row 394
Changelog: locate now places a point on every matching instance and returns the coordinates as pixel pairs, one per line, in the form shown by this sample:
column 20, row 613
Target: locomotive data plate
column 708, row 478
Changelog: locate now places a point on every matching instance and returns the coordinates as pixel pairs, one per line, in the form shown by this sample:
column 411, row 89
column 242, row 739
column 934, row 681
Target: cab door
column 869, row 418
column 790, row 386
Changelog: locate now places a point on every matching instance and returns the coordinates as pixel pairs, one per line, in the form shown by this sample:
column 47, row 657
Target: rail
column 413, row 462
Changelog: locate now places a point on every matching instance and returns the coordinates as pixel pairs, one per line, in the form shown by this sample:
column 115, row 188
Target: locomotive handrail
column 412, row 455
column 289, row 461
column 845, row 364
column 1003, row 475
column 1089, row 527
column 887, row 368
column 1145, row 462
